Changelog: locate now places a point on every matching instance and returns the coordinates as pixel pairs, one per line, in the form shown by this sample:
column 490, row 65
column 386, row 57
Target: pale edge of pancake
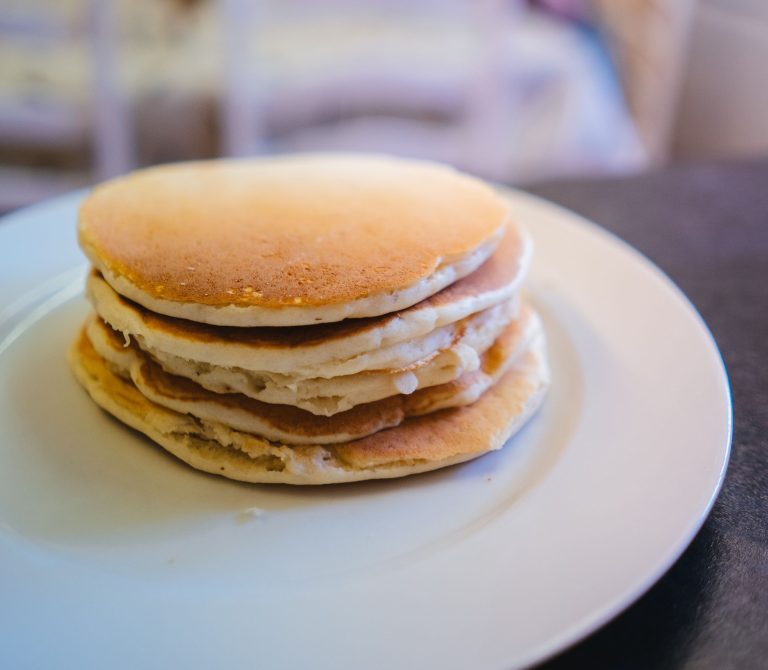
column 418, row 445
column 374, row 305
column 129, row 362
column 409, row 324
column 326, row 396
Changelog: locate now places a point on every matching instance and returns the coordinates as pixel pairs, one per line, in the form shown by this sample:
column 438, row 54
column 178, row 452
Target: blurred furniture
column 367, row 97
column 46, row 123
column 649, row 39
column 693, row 72
column 494, row 87
column 92, row 88
column 724, row 100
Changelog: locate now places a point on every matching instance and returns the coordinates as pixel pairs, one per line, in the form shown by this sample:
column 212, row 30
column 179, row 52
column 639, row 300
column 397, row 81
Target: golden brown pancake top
column 294, row 231
column 498, row 271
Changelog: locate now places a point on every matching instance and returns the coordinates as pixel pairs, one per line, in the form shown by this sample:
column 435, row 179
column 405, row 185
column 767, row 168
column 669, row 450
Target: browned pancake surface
column 313, row 231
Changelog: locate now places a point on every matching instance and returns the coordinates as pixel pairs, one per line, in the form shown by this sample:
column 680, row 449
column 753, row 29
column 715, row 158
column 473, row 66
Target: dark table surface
column 707, row 228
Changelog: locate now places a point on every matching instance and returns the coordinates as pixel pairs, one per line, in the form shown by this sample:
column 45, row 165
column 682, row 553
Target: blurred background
column 512, row 90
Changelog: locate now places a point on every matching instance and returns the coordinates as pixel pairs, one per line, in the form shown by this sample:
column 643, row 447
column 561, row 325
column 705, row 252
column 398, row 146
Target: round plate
column 113, row 554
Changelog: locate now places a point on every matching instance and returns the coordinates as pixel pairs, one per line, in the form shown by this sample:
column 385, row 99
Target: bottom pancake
column 419, row 444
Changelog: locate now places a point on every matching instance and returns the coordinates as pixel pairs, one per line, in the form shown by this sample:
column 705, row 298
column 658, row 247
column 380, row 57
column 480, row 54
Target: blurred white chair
column 47, row 123
column 474, row 108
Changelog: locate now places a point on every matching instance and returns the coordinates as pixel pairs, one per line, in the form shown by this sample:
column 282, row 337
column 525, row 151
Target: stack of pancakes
column 310, row 319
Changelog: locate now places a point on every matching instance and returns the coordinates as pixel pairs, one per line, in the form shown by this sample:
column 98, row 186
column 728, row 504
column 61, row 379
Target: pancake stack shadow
column 311, row 319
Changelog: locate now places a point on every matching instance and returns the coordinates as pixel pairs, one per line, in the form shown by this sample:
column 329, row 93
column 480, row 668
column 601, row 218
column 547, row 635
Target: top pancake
column 289, row 241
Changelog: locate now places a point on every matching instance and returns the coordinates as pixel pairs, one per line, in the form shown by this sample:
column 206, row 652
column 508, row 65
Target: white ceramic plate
column 115, row 555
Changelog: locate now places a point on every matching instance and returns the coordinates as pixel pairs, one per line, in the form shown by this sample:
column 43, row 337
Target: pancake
column 328, row 396
column 417, row 445
column 388, row 341
column 295, row 426
column 289, row 241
